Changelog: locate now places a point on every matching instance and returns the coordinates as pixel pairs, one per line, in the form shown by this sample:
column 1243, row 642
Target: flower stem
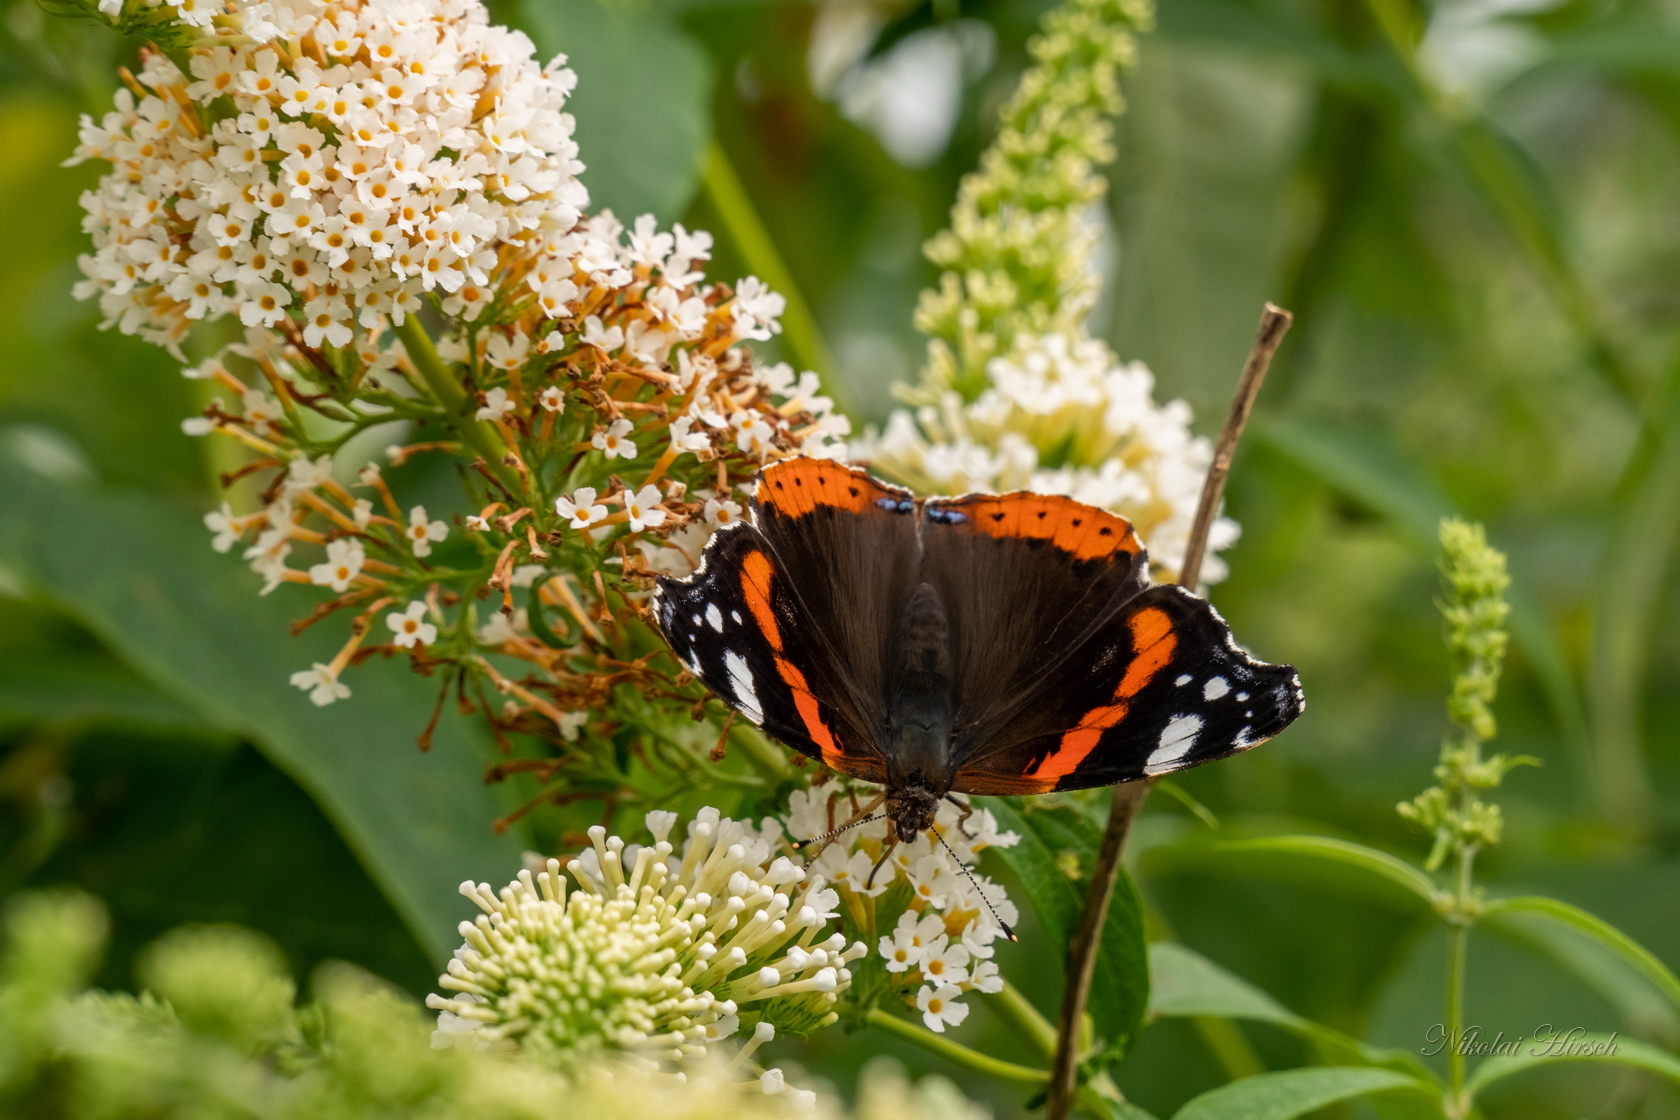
column 956, row 1051
column 747, row 230
column 1458, row 952
column 1016, row 1010
column 453, row 399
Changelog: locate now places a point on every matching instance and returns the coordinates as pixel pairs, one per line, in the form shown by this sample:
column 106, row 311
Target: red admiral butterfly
column 989, row 644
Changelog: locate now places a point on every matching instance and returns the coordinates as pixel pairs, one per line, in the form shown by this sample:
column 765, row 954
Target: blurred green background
column 1473, row 209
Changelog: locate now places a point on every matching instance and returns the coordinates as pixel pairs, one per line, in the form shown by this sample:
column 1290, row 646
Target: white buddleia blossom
column 319, row 171
column 940, row 945
column 1015, row 393
column 1062, row 415
column 659, row 950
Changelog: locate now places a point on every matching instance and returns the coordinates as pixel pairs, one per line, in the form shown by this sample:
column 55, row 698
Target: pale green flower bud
column 653, row 951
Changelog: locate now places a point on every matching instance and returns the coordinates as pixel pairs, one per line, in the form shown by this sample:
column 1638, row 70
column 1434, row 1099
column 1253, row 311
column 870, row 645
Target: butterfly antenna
column 963, row 867
column 801, row 845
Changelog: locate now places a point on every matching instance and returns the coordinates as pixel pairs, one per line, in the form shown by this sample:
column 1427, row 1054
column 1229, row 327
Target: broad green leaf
column 1643, row 1007
column 1370, row 470
column 139, row 573
column 1185, row 984
column 1601, row 931
column 1120, row 985
column 641, row 104
column 1294, row 1092
column 70, row 689
column 1345, row 853
column 1611, row 1049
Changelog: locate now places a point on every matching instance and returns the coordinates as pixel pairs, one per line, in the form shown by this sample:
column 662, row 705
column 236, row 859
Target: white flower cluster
column 1064, row 416
column 654, row 951
column 941, row 944
column 361, row 155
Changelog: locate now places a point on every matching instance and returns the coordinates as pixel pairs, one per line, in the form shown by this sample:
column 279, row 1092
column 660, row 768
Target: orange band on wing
column 795, row 487
column 1153, row 644
column 756, row 574
column 1084, row 532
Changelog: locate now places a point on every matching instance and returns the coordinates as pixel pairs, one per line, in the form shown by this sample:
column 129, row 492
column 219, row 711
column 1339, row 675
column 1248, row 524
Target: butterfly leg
column 828, row 837
column 967, row 811
column 887, row 851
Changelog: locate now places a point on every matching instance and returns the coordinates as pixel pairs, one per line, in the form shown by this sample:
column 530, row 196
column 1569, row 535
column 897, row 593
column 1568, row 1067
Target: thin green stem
column 1016, row 1010
column 476, row 434
column 1458, row 952
column 746, row 229
column 956, row 1052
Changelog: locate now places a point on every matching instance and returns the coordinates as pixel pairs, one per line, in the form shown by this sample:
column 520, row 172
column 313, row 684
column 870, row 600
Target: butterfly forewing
column 1160, row 688
column 737, row 625
column 848, row 546
column 1026, row 580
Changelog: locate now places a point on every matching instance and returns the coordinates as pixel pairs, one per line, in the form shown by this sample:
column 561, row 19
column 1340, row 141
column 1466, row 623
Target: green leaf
column 1345, row 853
column 139, row 573
column 65, row 689
column 1601, row 931
column 1293, row 1092
column 643, row 94
column 1621, row 1051
column 1184, row 984
column 1120, row 985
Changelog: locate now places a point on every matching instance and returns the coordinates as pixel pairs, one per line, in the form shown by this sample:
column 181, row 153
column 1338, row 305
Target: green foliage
column 1053, row 862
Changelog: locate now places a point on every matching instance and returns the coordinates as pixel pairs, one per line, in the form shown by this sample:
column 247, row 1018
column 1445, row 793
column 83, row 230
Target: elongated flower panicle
column 323, row 169
column 653, row 951
column 1016, row 394
column 935, row 923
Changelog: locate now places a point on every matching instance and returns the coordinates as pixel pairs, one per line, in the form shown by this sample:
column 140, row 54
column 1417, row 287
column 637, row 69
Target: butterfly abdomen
column 919, row 711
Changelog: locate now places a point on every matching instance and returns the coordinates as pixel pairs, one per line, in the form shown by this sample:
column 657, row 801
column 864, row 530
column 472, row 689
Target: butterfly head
column 911, row 809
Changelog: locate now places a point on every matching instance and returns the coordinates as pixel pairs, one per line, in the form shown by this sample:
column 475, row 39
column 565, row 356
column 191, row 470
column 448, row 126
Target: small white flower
column 410, row 626
column 552, row 399
column 642, row 507
column 507, row 353
column 362, row 513
column 322, row 684
column 985, row 977
column 422, row 532
column 683, row 439
column 368, row 475
column 496, row 406
column 945, row 962
column 613, row 443
column 345, row 558
column 571, row 723
column 581, row 507
column 477, row 524
column 606, row 339
column 721, row 512
column 753, row 437
column 940, row 1006
column 225, row 525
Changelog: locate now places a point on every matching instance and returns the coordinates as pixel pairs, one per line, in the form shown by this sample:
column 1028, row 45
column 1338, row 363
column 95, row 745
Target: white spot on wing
column 1176, row 740
column 696, row 620
column 1242, row 696
column 714, row 616
column 1215, row 688
column 746, row 696
column 736, row 615
column 1180, row 682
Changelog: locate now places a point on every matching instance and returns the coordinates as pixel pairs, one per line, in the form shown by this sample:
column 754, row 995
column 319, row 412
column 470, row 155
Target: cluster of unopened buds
column 942, row 915
column 659, row 950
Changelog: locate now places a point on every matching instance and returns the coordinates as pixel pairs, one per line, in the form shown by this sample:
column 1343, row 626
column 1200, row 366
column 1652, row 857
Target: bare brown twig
column 1128, row 798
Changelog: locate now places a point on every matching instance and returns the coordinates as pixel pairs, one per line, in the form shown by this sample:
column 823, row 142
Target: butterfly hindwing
column 738, row 626
column 1160, row 688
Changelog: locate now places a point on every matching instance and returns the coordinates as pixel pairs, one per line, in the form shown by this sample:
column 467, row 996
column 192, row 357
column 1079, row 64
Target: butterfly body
column 979, row 644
